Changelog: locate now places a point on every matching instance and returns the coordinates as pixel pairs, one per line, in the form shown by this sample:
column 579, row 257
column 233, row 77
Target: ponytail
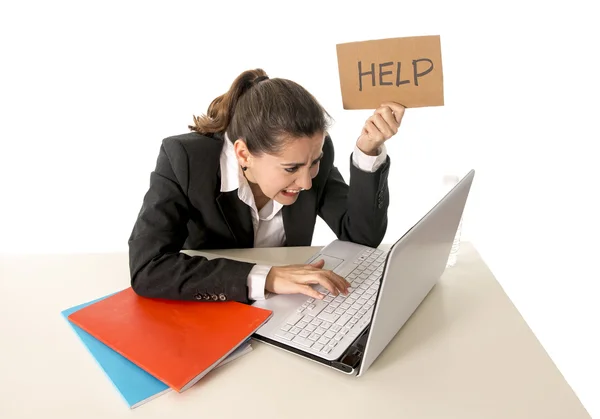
column 220, row 111
column 263, row 112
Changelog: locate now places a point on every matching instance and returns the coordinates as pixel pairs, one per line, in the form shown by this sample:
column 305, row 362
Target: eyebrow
column 302, row 164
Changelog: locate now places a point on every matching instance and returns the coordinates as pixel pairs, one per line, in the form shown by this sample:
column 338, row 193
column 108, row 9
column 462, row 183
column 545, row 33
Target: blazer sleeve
column 158, row 269
column 355, row 212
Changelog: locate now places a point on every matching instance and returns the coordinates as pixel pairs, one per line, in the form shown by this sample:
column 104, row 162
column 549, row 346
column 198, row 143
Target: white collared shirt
column 268, row 222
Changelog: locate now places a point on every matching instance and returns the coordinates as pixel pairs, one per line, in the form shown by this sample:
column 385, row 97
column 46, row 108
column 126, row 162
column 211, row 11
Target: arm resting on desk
column 157, row 268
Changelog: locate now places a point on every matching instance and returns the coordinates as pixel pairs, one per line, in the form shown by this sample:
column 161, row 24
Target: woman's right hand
column 297, row 279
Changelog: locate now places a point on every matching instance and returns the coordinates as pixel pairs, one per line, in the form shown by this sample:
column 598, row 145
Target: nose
column 305, row 181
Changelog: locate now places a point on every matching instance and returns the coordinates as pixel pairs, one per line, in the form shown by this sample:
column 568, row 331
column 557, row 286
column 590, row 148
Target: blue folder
column 135, row 384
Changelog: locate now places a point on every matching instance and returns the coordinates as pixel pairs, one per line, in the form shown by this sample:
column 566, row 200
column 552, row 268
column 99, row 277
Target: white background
column 87, row 92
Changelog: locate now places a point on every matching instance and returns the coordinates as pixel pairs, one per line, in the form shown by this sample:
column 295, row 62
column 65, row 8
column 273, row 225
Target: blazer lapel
column 298, row 220
column 238, row 218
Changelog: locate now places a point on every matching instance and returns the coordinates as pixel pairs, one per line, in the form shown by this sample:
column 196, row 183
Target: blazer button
column 214, row 297
column 206, row 297
column 198, row 296
column 222, row 297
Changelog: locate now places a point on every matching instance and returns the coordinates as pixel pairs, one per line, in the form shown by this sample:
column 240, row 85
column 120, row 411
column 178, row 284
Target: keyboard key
column 343, row 320
column 308, row 318
column 303, row 341
column 319, row 331
column 311, row 327
column 314, row 337
column 317, row 346
column 295, row 330
column 286, row 327
column 323, row 340
column 315, row 308
column 294, row 318
column 339, row 311
column 302, row 324
column 285, row 335
column 330, row 317
column 304, row 333
column 329, row 334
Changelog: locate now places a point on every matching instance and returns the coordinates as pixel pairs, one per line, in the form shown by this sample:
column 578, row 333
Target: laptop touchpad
column 330, row 262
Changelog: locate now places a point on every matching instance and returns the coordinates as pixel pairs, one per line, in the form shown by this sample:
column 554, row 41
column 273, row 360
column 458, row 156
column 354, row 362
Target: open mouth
column 291, row 192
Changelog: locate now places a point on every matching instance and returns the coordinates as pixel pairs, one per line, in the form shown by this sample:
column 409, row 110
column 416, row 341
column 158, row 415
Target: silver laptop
column 349, row 332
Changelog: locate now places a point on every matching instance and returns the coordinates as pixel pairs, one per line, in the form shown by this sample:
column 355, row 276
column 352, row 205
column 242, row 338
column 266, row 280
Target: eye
column 291, row 169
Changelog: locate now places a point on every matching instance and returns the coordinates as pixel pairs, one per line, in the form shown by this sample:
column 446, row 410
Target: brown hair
column 263, row 112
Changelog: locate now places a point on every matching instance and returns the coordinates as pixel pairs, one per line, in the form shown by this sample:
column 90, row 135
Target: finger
column 337, row 283
column 322, row 280
column 397, row 109
column 373, row 132
column 328, row 280
column 389, row 118
column 341, row 283
column 318, row 264
column 310, row 291
column 382, row 126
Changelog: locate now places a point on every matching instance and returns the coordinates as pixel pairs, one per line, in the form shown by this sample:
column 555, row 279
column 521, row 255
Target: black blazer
column 184, row 209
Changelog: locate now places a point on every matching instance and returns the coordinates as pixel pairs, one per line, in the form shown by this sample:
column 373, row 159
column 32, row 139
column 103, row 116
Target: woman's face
column 283, row 176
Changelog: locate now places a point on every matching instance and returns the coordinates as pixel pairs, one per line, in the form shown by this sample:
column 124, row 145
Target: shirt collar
column 231, row 175
column 232, row 178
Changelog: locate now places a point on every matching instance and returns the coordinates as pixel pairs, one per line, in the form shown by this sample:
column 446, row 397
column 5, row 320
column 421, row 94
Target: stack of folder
column 148, row 347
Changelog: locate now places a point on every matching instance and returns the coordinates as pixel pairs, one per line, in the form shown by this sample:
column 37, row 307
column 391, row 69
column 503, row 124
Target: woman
column 255, row 172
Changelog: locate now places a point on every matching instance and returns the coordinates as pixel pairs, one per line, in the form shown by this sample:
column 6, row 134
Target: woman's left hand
column 380, row 127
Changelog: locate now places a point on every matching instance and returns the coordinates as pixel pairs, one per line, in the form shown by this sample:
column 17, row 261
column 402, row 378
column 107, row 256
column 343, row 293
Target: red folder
column 178, row 342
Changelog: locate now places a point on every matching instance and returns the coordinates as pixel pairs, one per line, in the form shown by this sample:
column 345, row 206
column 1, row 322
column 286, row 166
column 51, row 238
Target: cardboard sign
column 404, row 70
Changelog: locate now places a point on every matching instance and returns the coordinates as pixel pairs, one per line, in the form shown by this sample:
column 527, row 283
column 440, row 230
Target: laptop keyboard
column 321, row 324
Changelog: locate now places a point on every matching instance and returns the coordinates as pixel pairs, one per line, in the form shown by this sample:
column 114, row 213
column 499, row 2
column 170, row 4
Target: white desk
column 466, row 353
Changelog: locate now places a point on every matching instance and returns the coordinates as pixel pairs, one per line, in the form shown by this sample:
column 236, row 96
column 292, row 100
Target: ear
column 241, row 152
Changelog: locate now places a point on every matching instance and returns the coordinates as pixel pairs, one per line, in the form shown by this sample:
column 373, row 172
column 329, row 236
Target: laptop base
column 348, row 363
